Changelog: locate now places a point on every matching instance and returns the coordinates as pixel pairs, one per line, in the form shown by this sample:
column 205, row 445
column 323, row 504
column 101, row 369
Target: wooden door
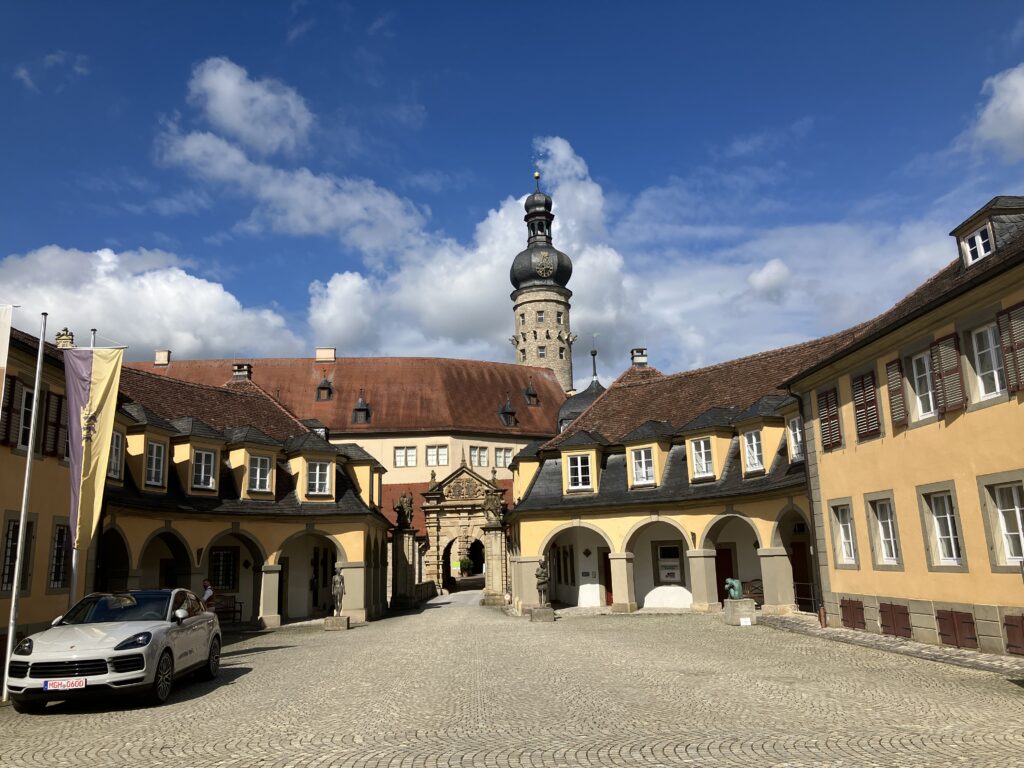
column 803, row 589
column 606, row 573
column 723, row 569
column 1014, row 634
column 282, row 590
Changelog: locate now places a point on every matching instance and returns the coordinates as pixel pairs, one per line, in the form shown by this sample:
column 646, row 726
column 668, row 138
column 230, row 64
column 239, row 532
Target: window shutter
column 886, row 618
column 18, row 391
column 54, row 405
column 828, row 419
column 947, row 629
column 7, row 410
column 1015, row 634
column 949, row 383
column 897, row 400
column 1011, row 339
column 901, row 618
column 62, row 428
column 865, row 405
column 966, row 634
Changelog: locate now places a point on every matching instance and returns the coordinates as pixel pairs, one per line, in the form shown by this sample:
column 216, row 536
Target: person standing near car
column 207, row 593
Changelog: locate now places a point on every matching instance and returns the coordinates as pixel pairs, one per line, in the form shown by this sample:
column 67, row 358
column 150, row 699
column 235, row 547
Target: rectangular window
column 702, row 466
column 888, row 549
column 10, row 556
column 796, row 438
column 561, row 353
column 502, row 457
column 669, row 566
column 828, row 420
column 924, row 385
column 558, row 317
column 540, row 316
column 865, row 405
column 753, row 443
column 522, row 355
column 844, row 527
column 437, row 455
column 259, row 473
column 25, row 430
column 988, row 364
column 478, row 456
column 947, row 538
column 202, row 469
column 405, row 456
column 643, row 466
column 116, row 455
column 223, row 572
column 579, row 472
column 978, row 245
column 319, row 478
column 59, row 559
column 522, row 319
column 155, row 464
column 1010, row 503
column 542, row 352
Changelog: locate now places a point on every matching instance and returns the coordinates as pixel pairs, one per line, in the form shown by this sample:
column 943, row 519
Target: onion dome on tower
column 541, row 263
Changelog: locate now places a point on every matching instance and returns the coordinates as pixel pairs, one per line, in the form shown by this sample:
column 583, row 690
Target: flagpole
column 19, row 560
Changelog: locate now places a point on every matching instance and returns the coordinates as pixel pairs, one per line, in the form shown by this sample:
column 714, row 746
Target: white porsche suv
column 134, row 641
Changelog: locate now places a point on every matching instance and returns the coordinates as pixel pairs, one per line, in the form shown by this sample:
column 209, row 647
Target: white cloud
column 22, row 75
column 266, row 115
column 143, row 298
column 1000, row 121
column 55, row 70
column 771, row 279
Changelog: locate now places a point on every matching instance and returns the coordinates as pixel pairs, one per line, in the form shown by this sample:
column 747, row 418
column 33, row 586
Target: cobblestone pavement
column 461, row 685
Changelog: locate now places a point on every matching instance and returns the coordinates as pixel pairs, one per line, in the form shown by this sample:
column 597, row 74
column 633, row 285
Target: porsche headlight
column 140, row 640
column 24, row 647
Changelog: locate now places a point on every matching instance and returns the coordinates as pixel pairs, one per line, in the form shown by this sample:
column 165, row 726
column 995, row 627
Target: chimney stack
column 241, row 372
column 163, row 357
column 639, row 357
column 65, row 339
column 325, row 354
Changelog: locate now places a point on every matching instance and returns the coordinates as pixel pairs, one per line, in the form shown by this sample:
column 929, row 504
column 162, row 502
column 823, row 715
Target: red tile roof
column 405, row 394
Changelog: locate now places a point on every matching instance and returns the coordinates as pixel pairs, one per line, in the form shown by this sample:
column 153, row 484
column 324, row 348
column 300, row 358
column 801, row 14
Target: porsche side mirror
column 180, row 615
column 56, row 621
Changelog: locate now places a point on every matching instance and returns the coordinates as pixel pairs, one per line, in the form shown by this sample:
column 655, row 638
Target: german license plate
column 64, row 685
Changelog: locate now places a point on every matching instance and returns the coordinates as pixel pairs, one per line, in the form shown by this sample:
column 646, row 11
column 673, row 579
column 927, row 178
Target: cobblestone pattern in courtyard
column 461, row 685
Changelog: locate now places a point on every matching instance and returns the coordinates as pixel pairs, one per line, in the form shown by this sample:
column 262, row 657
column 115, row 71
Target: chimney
column 65, row 339
column 325, row 354
column 241, row 372
column 639, row 357
column 163, row 357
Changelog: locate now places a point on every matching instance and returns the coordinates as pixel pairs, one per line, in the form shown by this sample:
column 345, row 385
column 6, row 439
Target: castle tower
column 540, row 301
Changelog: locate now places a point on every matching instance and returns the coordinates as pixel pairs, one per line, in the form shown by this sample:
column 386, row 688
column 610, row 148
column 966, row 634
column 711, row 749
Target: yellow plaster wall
column 182, row 453
column 523, row 476
column 659, row 455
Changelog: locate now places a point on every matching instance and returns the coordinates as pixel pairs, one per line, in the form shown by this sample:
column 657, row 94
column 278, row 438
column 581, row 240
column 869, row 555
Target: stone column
column 494, row 592
column 703, row 579
column 357, row 599
column 524, row 580
column 271, row 584
column 403, row 568
column 777, row 578
column 623, row 596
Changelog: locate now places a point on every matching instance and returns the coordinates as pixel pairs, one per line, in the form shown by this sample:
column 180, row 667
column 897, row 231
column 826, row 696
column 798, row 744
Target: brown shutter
column 886, row 618
column 54, row 403
column 966, row 634
column 949, row 382
column 828, row 419
column 901, row 618
column 7, row 410
column 897, row 400
column 865, row 405
column 947, row 627
column 1014, row 634
column 852, row 612
column 17, row 394
column 858, row 608
column 845, row 612
column 62, row 429
column 1011, row 340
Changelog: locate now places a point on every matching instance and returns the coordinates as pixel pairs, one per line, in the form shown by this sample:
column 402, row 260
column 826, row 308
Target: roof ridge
column 187, row 383
column 212, row 361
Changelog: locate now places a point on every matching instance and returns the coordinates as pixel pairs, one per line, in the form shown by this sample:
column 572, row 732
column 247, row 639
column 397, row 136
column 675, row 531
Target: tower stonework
column 540, row 302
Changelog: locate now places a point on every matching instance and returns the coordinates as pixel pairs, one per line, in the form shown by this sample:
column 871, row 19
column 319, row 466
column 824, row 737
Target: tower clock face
column 545, row 265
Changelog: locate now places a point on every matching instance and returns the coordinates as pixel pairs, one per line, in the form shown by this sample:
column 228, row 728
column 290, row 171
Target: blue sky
column 256, row 178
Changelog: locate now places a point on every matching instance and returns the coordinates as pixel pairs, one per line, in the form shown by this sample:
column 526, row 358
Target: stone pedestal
column 333, row 623
column 492, row 600
column 623, row 596
column 269, row 586
column 740, row 613
column 542, row 614
column 494, row 557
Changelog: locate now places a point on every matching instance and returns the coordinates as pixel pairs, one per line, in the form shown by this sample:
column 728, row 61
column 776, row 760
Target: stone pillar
column 777, row 578
column 494, row 591
column 357, row 591
column 524, row 580
column 403, row 568
column 703, row 579
column 271, row 584
column 623, row 596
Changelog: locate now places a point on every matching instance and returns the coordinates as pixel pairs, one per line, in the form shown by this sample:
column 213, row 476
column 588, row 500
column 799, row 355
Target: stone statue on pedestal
column 403, row 510
column 733, row 589
column 338, row 591
column 543, row 579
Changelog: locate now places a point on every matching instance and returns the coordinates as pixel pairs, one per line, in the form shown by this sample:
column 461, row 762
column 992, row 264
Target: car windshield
column 94, row 609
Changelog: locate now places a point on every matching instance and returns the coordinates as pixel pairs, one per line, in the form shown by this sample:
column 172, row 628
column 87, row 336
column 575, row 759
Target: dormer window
column 701, row 453
column 507, row 413
column 361, row 413
column 643, row 466
column 532, row 398
column 155, row 464
column 318, row 482
column 755, row 461
column 259, row 473
column 977, row 245
column 202, row 469
column 324, row 391
column 579, row 472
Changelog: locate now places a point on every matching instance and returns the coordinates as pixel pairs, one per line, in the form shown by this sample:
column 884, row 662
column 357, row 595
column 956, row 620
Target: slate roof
column 310, row 441
column 649, row 430
column 529, row 451
column 186, row 425
column 581, row 438
column 405, row 394
column 249, row 435
column 578, row 403
column 546, row 490
column 712, row 418
column 142, row 415
column 763, row 408
column 354, row 452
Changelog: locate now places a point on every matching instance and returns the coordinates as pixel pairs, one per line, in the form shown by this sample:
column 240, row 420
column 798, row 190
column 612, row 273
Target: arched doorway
column 447, row 578
column 661, row 573
column 794, row 534
column 476, row 556
column 307, row 563
column 233, row 563
column 113, row 563
column 165, row 563
column 735, row 541
column 579, row 570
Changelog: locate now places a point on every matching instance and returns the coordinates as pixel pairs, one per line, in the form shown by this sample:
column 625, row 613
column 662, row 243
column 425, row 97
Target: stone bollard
column 740, row 613
column 332, row 623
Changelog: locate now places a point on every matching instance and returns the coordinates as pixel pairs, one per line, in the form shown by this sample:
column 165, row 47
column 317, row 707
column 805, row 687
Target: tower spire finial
column 593, row 357
column 536, row 179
